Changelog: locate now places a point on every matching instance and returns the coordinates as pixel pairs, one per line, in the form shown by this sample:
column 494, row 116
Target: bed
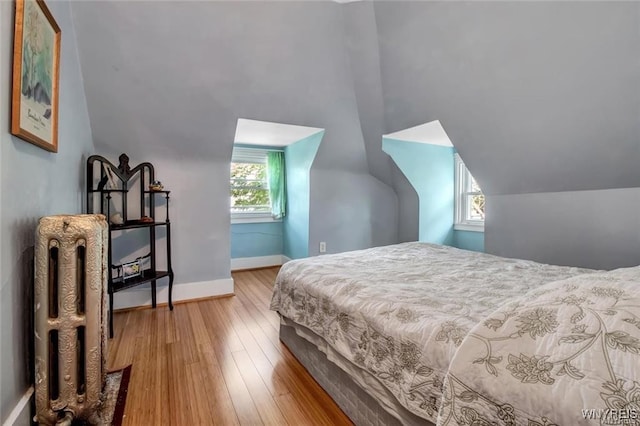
column 417, row 333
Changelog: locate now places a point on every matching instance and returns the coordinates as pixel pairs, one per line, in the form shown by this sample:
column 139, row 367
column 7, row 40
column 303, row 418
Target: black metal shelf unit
column 104, row 180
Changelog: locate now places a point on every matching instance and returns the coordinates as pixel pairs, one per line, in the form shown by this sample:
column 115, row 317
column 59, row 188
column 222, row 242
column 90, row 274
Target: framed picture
column 36, row 69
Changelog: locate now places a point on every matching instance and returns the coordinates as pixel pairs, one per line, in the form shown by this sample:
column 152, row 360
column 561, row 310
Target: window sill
column 469, row 227
column 253, row 219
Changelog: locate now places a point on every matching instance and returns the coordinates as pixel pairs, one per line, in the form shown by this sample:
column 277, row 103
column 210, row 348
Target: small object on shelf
column 116, row 219
column 110, row 175
column 156, row 185
column 146, row 219
column 130, row 269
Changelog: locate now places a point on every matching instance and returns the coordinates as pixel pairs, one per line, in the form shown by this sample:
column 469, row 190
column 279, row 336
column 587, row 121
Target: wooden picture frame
column 36, row 75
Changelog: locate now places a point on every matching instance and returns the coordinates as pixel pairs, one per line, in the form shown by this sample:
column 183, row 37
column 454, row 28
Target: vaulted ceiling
column 536, row 96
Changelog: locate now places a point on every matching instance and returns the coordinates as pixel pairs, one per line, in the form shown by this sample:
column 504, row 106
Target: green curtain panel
column 277, row 183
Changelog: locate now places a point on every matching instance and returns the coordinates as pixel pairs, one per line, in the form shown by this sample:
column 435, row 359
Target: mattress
column 399, row 313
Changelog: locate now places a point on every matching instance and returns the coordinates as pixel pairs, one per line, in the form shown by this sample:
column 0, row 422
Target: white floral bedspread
column 567, row 353
column 400, row 312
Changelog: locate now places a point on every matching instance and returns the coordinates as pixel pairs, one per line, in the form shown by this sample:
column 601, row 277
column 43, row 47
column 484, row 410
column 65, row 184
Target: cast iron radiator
column 70, row 317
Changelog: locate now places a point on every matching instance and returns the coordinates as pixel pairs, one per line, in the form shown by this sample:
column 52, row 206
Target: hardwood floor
column 216, row 361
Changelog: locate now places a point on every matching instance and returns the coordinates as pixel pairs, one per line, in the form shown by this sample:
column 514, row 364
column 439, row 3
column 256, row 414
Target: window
column 469, row 200
column 249, row 186
column 257, row 185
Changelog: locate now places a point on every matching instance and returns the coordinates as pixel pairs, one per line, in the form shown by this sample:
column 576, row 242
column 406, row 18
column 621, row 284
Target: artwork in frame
column 36, row 69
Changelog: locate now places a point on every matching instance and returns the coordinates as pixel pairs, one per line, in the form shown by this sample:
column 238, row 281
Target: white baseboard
column 21, row 413
column 142, row 296
column 285, row 259
column 258, row 262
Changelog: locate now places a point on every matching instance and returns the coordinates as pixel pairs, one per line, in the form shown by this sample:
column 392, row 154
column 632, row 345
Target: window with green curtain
column 277, row 183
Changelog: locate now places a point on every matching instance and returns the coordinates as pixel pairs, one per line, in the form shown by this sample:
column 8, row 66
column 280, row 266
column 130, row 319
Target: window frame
column 250, row 156
column 463, row 193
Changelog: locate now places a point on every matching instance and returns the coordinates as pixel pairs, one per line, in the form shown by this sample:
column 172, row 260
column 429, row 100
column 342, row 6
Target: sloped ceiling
column 174, row 77
column 536, row 96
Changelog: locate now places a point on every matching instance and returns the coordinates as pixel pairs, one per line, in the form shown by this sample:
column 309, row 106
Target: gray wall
column 174, row 97
column 595, row 229
column 539, row 98
column 536, row 96
column 350, row 211
column 34, row 183
column 200, row 228
column 361, row 40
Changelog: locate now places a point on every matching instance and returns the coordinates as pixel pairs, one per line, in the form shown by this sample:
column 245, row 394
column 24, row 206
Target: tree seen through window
column 249, row 188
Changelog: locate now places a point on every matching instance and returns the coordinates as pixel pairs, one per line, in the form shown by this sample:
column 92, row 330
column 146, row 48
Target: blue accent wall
column 298, row 159
column 430, row 170
column 469, row 240
column 256, row 239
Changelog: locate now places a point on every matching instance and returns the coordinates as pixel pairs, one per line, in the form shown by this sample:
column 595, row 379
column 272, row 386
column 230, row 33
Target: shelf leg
column 170, row 290
column 111, row 314
column 153, row 294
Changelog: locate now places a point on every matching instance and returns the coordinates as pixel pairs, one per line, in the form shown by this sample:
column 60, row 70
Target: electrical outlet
column 323, row 247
